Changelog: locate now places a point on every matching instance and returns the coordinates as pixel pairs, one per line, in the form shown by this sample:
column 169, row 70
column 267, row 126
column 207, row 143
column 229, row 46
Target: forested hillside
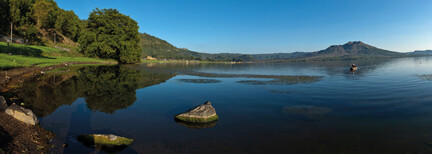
column 39, row 22
column 106, row 33
column 161, row 49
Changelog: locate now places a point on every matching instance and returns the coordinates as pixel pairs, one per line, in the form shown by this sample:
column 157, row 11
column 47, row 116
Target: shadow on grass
column 23, row 50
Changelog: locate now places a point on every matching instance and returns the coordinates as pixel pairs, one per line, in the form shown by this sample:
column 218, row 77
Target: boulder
column 22, row 114
column 203, row 113
column 3, row 104
column 108, row 140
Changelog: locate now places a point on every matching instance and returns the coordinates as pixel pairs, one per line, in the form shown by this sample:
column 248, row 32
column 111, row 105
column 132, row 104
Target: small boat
column 353, row 67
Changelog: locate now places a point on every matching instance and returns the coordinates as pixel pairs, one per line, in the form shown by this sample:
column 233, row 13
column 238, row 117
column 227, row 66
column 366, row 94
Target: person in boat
column 353, row 67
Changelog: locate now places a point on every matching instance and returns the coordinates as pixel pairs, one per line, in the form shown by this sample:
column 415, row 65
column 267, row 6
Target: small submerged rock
column 3, row 105
column 312, row 112
column 22, row 114
column 108, row 140
column 203, row 113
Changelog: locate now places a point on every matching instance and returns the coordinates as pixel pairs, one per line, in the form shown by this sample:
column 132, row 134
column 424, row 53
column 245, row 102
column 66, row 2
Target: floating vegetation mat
column 199, row 80
column 426, row 77
column 311, row 112
column 277, row 79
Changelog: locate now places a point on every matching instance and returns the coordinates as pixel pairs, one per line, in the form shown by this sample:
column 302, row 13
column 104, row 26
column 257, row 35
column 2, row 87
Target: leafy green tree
column 110, row 34
column 68, row 24
column 20, row 11
column 41, row 10
column 5, row 16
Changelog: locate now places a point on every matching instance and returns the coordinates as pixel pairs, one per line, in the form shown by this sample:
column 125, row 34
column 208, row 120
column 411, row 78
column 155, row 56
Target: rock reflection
column 196, row 125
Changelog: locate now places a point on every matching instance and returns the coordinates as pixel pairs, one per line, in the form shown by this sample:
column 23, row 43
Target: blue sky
column 268, row 26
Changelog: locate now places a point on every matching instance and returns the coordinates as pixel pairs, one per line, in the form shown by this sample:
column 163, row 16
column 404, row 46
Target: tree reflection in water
column 104, row 88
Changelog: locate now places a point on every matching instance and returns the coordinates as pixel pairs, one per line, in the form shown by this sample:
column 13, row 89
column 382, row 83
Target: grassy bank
column 17, row 55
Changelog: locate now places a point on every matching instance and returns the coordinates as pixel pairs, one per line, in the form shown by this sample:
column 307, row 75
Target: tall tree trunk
column 11, row 32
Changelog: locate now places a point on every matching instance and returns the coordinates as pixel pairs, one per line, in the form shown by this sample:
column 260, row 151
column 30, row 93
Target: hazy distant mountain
column 420, row 53
column 352, row 49
column 356, row 49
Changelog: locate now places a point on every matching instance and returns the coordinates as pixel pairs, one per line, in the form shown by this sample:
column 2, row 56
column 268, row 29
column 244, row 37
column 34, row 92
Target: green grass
column 29, row 55
column 197, row 120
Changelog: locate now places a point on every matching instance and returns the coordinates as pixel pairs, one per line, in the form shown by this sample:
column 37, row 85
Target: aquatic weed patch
column 199, row 80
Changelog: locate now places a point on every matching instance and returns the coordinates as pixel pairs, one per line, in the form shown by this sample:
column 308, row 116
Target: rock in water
column 3, row 104
column 203, row 113
column 22, row 114
column 108, row 140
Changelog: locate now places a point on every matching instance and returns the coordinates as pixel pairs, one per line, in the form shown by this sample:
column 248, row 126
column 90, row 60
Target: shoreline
column 191, row 61
column 10, row 79
column 25, row 139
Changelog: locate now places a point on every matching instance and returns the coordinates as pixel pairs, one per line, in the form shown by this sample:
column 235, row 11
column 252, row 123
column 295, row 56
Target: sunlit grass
column 41, row 56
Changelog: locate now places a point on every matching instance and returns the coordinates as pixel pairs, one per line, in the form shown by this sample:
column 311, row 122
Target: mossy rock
column 197, row 120
column 203, row 113
column 105, row 140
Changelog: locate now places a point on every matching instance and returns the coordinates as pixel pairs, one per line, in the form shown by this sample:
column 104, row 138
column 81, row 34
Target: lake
column 305, row 107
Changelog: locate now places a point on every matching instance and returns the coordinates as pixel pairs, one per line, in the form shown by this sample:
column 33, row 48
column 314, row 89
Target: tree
column 4, row 15
column 110, row 34
column 68, row 24
column 41, row 10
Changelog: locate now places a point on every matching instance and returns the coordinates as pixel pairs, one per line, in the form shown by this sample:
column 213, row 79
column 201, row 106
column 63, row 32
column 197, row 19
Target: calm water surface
column 384, row 107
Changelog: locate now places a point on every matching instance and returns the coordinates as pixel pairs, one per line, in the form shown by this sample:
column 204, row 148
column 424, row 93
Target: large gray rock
column 201, row 114
column 22, row 114
column 3, row 104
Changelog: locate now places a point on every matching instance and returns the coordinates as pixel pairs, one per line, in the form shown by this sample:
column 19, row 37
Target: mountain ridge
column 161, row 49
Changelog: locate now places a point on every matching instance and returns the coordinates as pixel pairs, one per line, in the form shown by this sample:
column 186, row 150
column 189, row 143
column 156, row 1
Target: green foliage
column 4, row 16
column 33, row 19
column 20, row 11
column 40, row 11
column 110, row 34
column 161, row 49
column 68, row 24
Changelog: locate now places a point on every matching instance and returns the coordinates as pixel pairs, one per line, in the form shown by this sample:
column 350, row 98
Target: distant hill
column 420, row 53
column 161, row 49
column 353, row 49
